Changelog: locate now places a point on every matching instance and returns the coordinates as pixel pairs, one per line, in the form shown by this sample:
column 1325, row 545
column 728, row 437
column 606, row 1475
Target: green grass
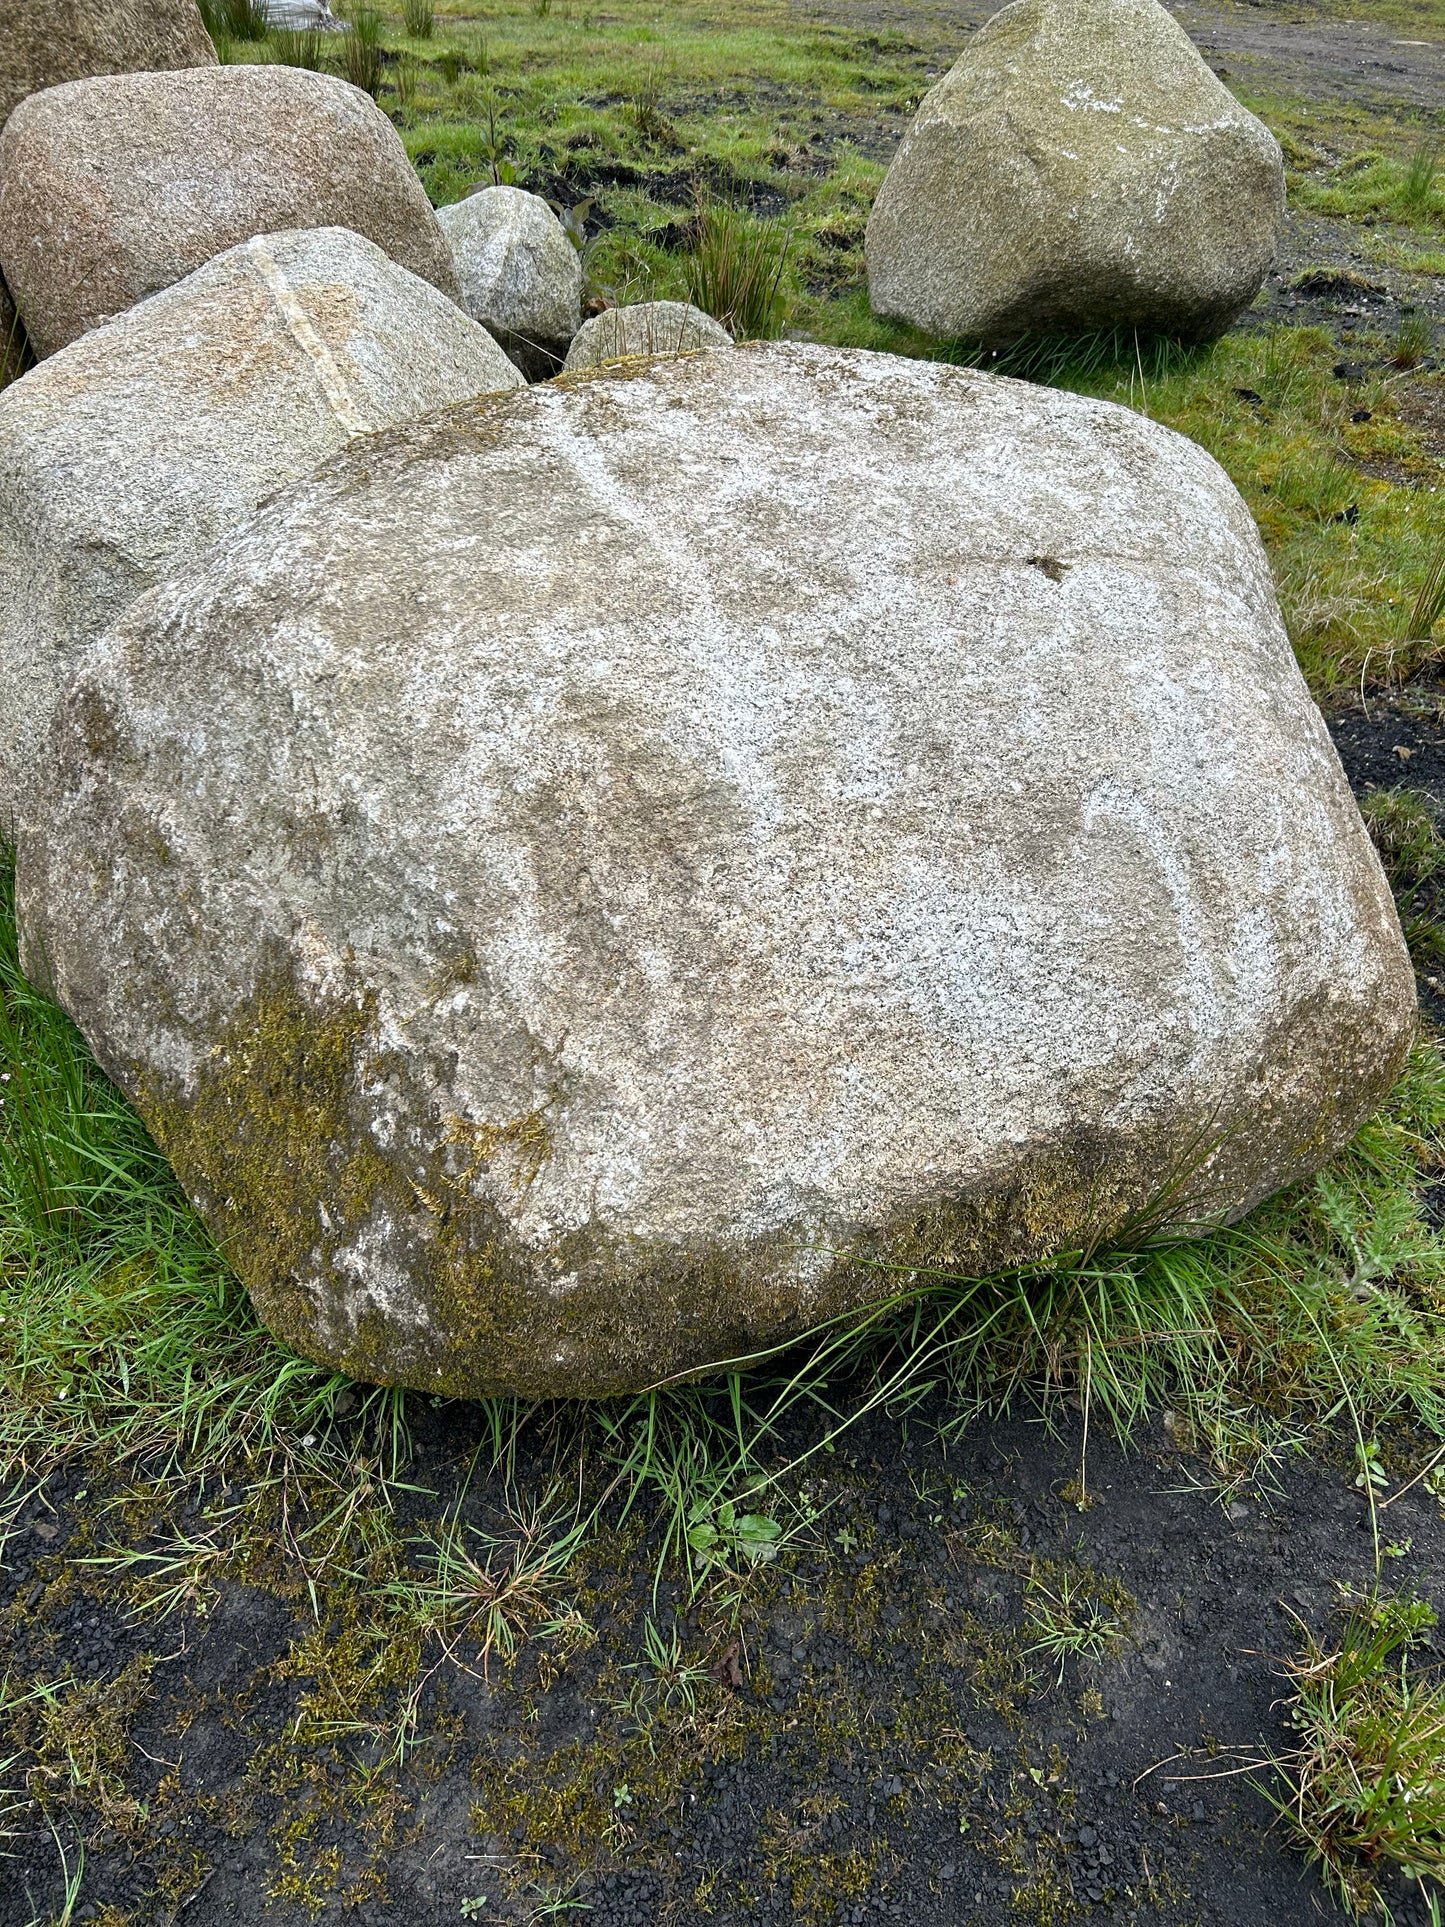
column 1363, row 1790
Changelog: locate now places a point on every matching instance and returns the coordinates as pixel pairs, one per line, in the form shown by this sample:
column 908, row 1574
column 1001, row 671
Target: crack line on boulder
column 303, row 333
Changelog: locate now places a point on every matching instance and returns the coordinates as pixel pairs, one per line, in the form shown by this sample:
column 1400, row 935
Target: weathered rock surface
column 112, row 189
column 1078, row 167
column 574, row 880
column 129, row 452
column 520, row 275
column 648, row 328
column 45, row 42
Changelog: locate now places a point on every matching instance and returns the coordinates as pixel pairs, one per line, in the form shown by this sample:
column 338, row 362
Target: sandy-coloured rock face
column 112, row 189
column 46, row 42
column 647, row 328
column 520, row 275
column 576, row 880
column 1079, row 167
column 128, row 453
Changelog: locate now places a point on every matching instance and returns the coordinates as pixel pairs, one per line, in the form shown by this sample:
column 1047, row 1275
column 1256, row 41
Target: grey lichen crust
column 580, row 882
column 1079, row 167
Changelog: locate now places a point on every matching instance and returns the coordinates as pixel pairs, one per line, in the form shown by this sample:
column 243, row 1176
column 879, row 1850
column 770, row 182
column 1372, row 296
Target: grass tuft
column 1363, row 1791
column 419, row 18
column 234, row 19
column 363, row 58
column 735, row 271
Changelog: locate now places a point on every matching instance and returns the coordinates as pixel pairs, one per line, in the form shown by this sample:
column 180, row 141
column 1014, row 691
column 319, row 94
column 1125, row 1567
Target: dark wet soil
column 881, row 1723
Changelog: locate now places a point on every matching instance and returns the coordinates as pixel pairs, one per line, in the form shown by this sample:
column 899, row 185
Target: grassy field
column 735, row 163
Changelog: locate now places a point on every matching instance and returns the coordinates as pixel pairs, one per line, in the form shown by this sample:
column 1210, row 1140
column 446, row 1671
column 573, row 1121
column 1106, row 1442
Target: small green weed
column 1068, row 1622
column 1363, row 1790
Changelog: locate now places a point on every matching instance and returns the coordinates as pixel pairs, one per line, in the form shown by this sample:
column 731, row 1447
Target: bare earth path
column 1259, row 49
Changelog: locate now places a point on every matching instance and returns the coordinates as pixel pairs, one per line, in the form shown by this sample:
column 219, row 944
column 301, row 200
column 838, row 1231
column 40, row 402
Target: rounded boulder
column 1078, row 168
column 114, row 188
column 647, row 328
column 520, row 275
column 598, row 881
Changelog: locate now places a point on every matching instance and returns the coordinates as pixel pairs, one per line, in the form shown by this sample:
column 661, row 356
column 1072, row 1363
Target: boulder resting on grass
column 520, row 275
column 578, row 884
column 112, row 189
column 129, row 452
column 646, row 328
column 1078, row 168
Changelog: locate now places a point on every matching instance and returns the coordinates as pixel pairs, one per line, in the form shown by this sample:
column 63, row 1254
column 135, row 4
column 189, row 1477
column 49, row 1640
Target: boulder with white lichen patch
column 579, row 883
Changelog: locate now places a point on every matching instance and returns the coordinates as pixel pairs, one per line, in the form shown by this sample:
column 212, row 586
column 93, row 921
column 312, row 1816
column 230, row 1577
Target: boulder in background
column 520, row 275
column 1079, row 167
column 647, row 328
column 111, row 189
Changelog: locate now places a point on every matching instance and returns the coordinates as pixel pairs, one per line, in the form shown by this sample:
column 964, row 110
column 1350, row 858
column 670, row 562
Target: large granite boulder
column 45, row 42
column 647, row 328
column 1079, row 167
column 520, row 275
column 577, row 883
column 130, row 451
column 112, row 189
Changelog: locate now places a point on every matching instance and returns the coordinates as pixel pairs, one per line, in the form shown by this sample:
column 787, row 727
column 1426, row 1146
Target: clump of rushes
column 735, row 271
column 234, row 19
column 298, row 48
column 418, row 18
column 1364, row 1788
column 1415, row 341
column 1429, row 603
column 1417, row 190
column 362, row 59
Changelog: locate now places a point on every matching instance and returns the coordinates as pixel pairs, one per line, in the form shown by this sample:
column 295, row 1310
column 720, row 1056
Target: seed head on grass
column 1363, row 1791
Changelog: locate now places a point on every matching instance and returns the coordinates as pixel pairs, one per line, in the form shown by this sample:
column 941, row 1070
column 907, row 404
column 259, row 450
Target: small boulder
column 114, row 188
column 302, row 16
column 1079, row 167
column 649, row 328
column 520, row 275
column 604, row 878
column 129, row 452
column 45, row 42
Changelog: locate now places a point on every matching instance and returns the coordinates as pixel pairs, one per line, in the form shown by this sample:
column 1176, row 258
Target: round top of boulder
column 46, row 42
column 520, row 275
column 113, row 188
column 648, row 328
